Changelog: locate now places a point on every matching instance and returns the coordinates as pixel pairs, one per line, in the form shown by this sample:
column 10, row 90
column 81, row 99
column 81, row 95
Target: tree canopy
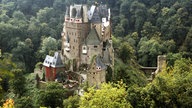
column 141, row 29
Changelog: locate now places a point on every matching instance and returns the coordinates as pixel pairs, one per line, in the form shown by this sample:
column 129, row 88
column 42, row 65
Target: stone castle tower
column 86, row 41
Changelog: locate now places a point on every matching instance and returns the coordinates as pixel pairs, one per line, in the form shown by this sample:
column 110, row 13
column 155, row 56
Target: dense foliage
column 171, row 88
column 149, row 27
column 108, row 96
column 142, row 30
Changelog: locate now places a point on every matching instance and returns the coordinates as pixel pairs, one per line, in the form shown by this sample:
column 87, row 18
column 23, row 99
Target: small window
column 95, row 46
column 62, row 52
column 84, row 47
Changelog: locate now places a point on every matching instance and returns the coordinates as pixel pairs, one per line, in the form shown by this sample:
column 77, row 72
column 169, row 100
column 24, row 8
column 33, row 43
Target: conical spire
column 78, row 15
column 67, row 12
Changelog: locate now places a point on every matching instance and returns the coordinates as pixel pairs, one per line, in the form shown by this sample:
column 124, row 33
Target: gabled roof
column 57, row 62
column 48, row 61
column 91, row 12
column 54, row 61
column 93, row 38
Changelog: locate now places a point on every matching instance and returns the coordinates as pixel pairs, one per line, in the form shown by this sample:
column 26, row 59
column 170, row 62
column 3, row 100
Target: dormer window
column 84, row 49
column 99, row 68
column 62, row 34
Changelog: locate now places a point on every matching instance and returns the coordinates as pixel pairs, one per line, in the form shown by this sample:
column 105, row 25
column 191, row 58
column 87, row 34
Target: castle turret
column 83, row 37
column 78, row 18
column 73, row 13
column 67, row 16
column 161, row 62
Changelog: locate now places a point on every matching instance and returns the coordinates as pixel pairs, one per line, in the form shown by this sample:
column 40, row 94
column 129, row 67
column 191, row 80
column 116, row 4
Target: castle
column 87, row 46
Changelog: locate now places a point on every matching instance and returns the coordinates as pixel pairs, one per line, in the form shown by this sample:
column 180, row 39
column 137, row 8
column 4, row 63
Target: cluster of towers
column 86, row 41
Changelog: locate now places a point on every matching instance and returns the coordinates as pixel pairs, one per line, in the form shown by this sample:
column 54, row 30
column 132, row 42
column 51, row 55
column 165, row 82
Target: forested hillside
column 142, row 30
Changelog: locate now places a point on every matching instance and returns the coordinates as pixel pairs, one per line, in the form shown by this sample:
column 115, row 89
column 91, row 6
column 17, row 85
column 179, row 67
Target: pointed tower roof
column 67, row 12
column 57, row 62
column 106, row 57
column 78, row 15
column 93, row 38
column 54, row 61
column 99, row 63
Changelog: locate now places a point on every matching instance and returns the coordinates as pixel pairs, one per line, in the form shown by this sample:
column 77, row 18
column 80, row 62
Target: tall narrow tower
column 87, row 35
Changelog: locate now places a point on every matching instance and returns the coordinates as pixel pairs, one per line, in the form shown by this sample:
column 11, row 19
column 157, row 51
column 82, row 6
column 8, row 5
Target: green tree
column 24, row 102
column 23, row 54
column 48, row 45
column 17, row 84
column 71, row 102
column 130, row 74
column 108, row 96
column 148, row 50
column 119, row 30
column 188, row 42
column 45, row 14
column 6, row 65
column 138, row 11
column 170, row 88
column 126, row 52
column 53, row 95
column 7, row 31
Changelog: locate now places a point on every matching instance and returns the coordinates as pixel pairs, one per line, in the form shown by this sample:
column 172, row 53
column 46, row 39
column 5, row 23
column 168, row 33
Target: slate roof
column 57, row 62
column 93, row 38
column 91, row 12
column 48, row 61
column 97, row 12
column 99, row 63
column 54, row 61
column 67, row 11
column 106, row 56
column 78, row 15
